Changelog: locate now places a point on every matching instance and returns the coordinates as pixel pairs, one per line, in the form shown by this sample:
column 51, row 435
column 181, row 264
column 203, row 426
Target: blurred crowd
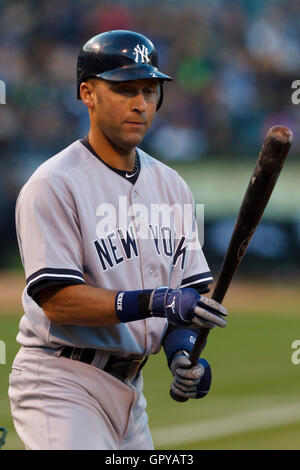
column 233, row 64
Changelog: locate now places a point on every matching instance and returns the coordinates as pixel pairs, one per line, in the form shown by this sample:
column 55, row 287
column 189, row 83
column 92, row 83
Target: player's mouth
column 136, row 124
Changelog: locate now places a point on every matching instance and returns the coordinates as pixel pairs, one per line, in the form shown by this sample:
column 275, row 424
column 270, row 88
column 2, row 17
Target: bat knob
column 281, row 133
column 176, row 397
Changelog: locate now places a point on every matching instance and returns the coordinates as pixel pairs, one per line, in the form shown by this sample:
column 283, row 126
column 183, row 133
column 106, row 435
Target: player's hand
column 185, row 307
column 190, row 382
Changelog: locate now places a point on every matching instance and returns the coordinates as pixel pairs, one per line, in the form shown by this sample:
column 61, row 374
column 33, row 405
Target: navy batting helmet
column 119, row 56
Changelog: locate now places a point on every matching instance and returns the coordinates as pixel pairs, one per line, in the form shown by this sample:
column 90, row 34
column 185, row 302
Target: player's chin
column 133, row 139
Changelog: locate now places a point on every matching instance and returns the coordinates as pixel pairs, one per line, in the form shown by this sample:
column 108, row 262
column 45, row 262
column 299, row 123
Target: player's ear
column 88, row 93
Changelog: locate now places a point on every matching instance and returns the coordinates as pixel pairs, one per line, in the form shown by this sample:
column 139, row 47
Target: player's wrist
column 140, row 304
column 133, row 305
column 177, row 341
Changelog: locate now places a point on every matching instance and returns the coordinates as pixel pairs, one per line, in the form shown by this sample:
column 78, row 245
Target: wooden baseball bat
column 267, row 169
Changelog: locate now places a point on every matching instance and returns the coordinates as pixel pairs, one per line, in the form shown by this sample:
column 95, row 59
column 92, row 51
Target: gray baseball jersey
column 78, row 221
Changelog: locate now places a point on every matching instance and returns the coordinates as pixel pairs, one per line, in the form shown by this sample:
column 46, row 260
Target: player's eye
column 125, row 91
column 129, row 91
column 150, row 93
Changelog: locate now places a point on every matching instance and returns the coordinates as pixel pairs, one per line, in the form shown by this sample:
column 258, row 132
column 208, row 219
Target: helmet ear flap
column 161, row 95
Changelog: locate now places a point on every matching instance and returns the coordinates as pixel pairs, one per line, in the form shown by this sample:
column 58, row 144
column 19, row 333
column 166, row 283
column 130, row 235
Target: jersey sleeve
column 48, row 234
column 196, row 271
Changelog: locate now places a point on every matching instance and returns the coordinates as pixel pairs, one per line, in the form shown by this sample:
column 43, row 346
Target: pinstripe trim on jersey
column 203, row 278
column 54, row 274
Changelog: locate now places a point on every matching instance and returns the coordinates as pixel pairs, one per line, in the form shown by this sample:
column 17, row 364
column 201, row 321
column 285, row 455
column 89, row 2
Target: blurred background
column 233, row 65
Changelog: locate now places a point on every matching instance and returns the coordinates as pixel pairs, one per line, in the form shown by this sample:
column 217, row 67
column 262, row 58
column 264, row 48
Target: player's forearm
column 90, row 306
column 80, row 305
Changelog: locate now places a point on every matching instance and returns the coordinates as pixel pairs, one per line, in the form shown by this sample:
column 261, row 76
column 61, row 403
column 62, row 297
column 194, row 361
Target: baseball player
column 114, row 269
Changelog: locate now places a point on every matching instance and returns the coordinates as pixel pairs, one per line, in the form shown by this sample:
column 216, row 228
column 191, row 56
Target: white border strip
column 66, row 276
column 198, row 281
column 240, row 423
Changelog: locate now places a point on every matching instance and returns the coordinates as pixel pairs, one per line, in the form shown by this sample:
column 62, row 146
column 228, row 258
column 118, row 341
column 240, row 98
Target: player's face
column 125, row 110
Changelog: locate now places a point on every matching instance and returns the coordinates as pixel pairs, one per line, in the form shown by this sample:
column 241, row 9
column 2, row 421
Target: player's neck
column 121, row 159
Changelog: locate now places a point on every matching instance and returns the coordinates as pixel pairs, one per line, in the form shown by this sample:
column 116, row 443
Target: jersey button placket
column 133, row 222
column 151, row 271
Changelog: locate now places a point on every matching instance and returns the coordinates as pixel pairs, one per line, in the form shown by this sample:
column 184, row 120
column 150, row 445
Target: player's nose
column 139, row 103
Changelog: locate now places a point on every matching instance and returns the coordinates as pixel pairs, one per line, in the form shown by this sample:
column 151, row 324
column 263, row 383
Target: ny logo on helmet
column 142, row 53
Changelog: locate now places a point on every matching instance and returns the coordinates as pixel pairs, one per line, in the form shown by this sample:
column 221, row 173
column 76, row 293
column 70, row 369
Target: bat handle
column 194, row 356
column 199, row 345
